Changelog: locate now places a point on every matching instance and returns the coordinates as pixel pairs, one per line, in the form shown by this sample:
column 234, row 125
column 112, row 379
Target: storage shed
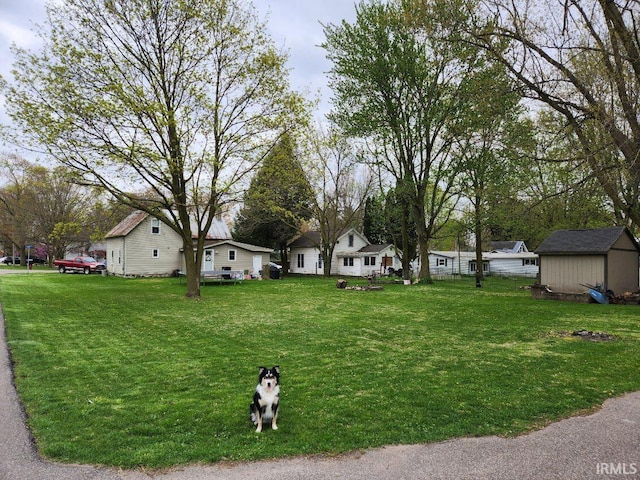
column 570, row 259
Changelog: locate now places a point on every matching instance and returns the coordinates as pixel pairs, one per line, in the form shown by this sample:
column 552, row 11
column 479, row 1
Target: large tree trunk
column 327, row 255
column 404, row 226
column 424, row 276
column 478, row 235
column 284, row 258
column 192, row 269
column 424, row 239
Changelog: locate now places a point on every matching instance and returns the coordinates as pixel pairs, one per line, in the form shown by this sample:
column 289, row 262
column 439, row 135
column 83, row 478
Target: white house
column 353, row 255
column 514, row 260
column 141, row 245
column 516, row 246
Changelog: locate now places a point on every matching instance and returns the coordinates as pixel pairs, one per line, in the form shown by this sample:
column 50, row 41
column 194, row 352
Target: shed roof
column 244, row 246
column 590, row 241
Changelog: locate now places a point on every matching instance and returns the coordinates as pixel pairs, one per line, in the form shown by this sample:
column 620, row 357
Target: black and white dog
column 266, row 399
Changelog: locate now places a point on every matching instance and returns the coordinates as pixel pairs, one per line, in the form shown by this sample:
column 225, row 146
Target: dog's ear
column 261, row 369
column 277, row 369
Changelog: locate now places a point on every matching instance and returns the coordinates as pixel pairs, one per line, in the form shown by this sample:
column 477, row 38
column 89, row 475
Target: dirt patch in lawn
column 588, row 335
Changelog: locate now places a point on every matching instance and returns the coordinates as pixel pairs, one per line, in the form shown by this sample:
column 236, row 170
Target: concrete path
column 603, row 445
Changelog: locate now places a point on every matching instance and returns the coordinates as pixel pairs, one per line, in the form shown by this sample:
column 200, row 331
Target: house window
column 369, row 261
column 155, row 226
column 529, row 261
column 442, row 262
column 366, row 261
column 301, row 260
column 351, row 240
column 155, row 253
column 232, row 255
column 347, row 261
column 373, row 261
column 319, row 260
column 473, row 266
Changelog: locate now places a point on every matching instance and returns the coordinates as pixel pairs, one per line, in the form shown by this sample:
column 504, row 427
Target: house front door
column 207, row 265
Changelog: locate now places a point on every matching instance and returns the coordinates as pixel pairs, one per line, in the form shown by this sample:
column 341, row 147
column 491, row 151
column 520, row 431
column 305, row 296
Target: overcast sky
column 294, row 24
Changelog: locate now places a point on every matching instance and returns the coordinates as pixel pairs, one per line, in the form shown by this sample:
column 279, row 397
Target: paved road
column 603, row 445
column 10, row 270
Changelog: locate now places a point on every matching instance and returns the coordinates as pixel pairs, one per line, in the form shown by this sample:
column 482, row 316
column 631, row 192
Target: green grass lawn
column 130, row 373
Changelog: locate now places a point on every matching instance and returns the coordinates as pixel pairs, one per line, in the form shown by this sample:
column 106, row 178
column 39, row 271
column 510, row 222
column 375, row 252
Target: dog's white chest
column 267, row 399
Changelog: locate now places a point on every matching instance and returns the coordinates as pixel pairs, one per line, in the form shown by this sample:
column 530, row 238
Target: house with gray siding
column 237, row 256
column 142, row 245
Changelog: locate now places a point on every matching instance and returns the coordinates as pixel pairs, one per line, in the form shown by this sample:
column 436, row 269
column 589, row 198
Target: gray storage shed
column 570, row 259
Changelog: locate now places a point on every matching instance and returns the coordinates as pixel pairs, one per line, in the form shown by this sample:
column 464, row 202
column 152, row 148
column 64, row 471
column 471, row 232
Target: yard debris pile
column 631, row 298
column 342, row 284
column 593, row 336
column 595, row 294
column 584, row 334
column 600, row 294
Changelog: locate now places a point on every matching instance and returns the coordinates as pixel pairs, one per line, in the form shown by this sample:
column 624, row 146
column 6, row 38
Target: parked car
column 274, row 271
column 10, row 260
column 36, row 261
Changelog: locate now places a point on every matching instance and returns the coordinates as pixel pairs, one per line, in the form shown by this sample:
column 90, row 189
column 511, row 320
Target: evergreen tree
column 278, row 201
column 374, row 225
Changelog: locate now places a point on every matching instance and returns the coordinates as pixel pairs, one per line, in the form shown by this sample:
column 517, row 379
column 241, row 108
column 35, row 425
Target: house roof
column 507, row 255
column 313, row 238
column 485, row 255
column 128, row 224
column 309, row 239
column 591, row 241
column 244, row 246
column 365, row 251
column 376, row 248
column 515, row 246
column 218, row 231
column 452, row 254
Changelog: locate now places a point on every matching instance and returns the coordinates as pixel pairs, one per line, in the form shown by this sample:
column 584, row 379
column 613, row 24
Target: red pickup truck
column 85, row 265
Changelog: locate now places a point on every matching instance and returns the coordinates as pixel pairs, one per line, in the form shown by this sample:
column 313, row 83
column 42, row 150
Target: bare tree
column 581, row 59
column 15, row 198
column 181, row 99
column 41, row 207
column 341, row 184
column 397, row 76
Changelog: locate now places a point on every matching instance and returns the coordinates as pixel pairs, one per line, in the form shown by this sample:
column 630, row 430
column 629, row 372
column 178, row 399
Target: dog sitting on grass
column 266, row 398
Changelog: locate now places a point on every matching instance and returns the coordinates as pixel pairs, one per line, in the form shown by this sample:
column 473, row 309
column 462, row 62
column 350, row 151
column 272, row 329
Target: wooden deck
column 219, row 276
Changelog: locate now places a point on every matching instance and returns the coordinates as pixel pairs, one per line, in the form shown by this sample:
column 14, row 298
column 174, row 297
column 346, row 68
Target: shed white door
column 257, row 264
